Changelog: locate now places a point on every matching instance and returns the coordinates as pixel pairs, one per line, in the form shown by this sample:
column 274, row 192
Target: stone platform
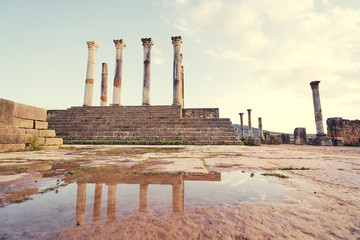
column 142, row 125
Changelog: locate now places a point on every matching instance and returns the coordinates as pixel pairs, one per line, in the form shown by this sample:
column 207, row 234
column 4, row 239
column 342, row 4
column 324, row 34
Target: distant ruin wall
column 200, row 113
column 343, row 131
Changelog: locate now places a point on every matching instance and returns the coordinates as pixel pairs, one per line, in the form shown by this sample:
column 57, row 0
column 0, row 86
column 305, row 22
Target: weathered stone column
column 178, row 197
column 176, row 41
column 143, row 197
column 111, row 205
column 104, row 78
column 317, row 108
column 249, row 124
column 182, row 86
column 120, row 45
column 242, row 125
column 147, row 43
column 89, row 82
column 80, row 203
column 300, row 136
column 321, row 138
column 97, row 202
column 261, row 133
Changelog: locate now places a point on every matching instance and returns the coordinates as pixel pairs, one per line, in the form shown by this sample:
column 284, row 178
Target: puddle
column 112, row 197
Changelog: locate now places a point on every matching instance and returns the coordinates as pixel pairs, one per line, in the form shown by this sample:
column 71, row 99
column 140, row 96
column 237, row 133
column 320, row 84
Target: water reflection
column 175, row 181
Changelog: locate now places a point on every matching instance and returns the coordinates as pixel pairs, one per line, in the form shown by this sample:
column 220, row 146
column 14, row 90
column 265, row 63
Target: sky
column 238, row 55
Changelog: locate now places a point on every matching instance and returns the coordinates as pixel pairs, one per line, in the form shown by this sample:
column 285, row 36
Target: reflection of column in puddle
column 97, row 201
column 178, row 197
column 143, row 197
column 80, row 203
column 111, row 206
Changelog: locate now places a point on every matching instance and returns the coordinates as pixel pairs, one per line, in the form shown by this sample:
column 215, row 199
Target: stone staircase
column 141, row 125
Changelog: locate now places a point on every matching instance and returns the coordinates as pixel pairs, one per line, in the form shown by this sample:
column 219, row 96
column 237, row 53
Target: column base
column 322, row 140
column 115, row 104
column 87, row 105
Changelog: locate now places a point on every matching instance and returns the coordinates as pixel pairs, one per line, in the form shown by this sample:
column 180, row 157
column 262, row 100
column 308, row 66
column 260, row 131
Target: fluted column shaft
column 147, row 43
column 261, row 133
column 120, row 45
column 97, row 201
column 89, row 82
column 176, row 41
column 80, row 203
column 249, row 124
column 242, row 125
column 104, row 86
column 182, row 86
column 317, row 108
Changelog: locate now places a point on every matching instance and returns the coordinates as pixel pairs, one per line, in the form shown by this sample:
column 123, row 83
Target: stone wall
column 343, row 131
column 20, row 124
column 200, row 113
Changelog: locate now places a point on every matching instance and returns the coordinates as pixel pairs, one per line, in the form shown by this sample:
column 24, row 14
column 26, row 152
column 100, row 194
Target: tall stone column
column 111, row 205
column 120, row 45
column 261, row 133
column 89, row 82
column 80, row 203
column 147, row 43
column 249, row 124
column 143, row 197
column 104, row 86
column 182, row 86
column 321, row 138
column 97, row 202
column 176, row 41
column 242, row 125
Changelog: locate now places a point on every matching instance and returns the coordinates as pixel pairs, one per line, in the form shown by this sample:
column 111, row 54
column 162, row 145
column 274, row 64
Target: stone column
column 176, row 41
column 111, row 205
column 300, row 136
column 97, row 202
column 80, row 203
column 182, row 86
column 147, row 43
column 143, row 197
column 317, row 108
column 120, row 45
column 249, row 124
column 261, row 133
column 178, row 196
column 104, row 78
column 242, row 125
column 89, row 82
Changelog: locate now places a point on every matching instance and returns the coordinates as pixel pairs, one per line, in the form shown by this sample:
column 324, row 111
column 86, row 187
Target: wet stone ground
column 181, row 192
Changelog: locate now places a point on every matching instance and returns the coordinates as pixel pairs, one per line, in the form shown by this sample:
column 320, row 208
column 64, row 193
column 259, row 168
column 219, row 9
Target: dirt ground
column 324, row 202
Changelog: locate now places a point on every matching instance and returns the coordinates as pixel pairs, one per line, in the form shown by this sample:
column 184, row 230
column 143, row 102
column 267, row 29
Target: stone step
column 147, row 142
column 15, row 138
column 11, row 147
column 158, row 138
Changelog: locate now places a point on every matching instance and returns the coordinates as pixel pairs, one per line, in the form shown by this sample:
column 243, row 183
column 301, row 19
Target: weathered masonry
column 145, row 124
column 343, row 131
column 20, row 124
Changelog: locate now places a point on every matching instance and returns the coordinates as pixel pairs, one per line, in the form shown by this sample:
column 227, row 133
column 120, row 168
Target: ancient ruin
column 146, row 124
column 249, row 123
column 242, row 125
column 89, row 81
column 300, row 136
column 343, row 131
column 104, row 86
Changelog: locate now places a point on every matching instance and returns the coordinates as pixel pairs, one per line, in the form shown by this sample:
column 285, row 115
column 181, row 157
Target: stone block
column 285, row 137
column 23, row 123
column 29, row 112
column 41, row 140
column 28, row 138
column 6, row 111
column 33, row 132
column 322, row 141
column 300, row 136
column 11, row 147
column 53, row 141
column 41, row 125
column 46, row 133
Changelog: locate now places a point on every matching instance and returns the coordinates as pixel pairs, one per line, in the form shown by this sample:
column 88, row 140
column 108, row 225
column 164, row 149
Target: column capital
column 249, row 110
column 314, row 85
column 147, row 42
column 119, row 43
column 92, row 45
column 241, row 114
column 176, row 41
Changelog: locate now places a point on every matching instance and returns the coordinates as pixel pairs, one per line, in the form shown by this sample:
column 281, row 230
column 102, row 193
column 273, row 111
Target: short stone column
column 176, row 41
column 242, row 125
column 97, row 202
column 89, row 82
column 261, row 133
column 300, row 136
column 80, row 203
column 249, row 124
column 104, row 86
column 321, row 138
column 147, row 43
column 120, row 45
